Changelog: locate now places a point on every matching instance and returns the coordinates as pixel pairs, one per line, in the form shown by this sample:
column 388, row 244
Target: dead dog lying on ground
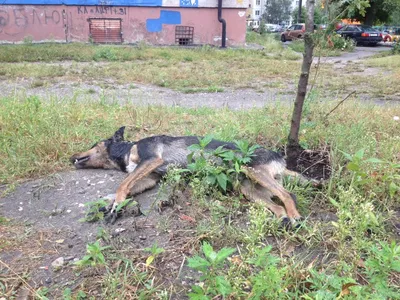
column 147, row 161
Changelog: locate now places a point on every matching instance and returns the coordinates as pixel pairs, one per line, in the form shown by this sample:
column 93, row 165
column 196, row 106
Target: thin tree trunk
column 293, row 139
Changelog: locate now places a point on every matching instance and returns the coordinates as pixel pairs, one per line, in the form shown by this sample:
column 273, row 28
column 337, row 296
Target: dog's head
column 99, row 155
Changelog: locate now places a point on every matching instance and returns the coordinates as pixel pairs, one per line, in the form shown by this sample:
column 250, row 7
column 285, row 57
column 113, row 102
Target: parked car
column 273, row 28
column 296, row 31
column 361, row 34
column 395, row 34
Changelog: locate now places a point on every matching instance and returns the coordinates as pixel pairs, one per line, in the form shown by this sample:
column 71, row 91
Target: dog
column 147, row 161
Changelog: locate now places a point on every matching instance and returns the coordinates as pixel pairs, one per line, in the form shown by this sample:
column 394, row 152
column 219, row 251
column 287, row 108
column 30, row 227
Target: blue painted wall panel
column 85, row 2
column 166, row 17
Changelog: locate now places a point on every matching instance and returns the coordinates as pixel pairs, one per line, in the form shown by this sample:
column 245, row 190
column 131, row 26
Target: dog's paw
column 111, row 217
column 285, row 224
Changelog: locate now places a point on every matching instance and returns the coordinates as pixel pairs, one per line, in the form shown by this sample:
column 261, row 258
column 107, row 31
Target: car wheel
column 299, row 37
column 283, row 39
column 354, row 41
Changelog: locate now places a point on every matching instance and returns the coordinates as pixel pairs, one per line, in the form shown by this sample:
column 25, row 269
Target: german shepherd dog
column 147, row 160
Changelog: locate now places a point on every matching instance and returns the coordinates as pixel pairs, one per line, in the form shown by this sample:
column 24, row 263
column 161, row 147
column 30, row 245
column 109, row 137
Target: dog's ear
column 119, row 135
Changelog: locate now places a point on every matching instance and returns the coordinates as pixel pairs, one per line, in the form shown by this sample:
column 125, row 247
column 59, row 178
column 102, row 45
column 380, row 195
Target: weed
column 37, row 83
column 105, row 53
column 211, row 267
column 219, row 175
column 91, row 91
column 94, row 255
column 155, row 251
column 95, row 210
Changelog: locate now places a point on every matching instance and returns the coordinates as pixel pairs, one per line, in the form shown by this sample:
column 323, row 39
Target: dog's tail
column 301, row 178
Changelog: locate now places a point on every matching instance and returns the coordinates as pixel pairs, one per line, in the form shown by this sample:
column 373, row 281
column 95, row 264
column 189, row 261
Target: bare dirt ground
column 41, row 219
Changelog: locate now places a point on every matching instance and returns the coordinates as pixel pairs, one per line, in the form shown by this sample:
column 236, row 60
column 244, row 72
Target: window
column 105, row 30
column 258, row 2
column 184, row 35
column 257, row 12
column 297, row 3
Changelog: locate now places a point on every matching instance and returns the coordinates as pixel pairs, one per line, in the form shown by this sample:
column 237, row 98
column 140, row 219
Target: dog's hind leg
column 263, row 176
column 259, row 194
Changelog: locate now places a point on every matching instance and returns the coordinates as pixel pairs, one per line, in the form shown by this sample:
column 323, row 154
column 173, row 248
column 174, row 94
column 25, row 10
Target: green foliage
column 396, row 48
column 383, row 261
column 94, row 255
column 318, row 15
column 221, row 167
column 267, row 278
column 211, row 266
column 261, row 29
column 94, row 212
column 41, row 294
column 105, row 53
column 390, row 178
column 277, row 11
column 155, row 251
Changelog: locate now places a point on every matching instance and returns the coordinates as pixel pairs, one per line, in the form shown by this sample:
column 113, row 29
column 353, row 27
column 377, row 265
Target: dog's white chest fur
column 131, row 167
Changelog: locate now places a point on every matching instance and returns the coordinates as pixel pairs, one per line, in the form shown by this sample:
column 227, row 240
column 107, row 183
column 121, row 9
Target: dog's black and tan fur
column 147, row 161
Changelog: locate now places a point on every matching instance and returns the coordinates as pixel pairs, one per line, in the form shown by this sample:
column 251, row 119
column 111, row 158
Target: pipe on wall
column 223, row 24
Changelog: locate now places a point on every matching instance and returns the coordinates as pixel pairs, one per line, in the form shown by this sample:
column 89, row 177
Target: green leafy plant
column 390, row 176
column 267, row 278
column 383, row 261
column 221, row 167
column 155, row 251
column 213, row 282
column 94, row 212
column 94, row 255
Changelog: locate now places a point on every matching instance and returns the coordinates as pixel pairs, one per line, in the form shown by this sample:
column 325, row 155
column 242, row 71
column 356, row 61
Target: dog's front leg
column 143, row 169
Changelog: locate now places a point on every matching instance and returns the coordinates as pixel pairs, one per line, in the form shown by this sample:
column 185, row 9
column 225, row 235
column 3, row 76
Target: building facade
column 159, row 22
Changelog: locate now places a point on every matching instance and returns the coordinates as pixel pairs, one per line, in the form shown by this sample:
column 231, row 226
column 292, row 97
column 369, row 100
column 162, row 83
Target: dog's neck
column 119, row 154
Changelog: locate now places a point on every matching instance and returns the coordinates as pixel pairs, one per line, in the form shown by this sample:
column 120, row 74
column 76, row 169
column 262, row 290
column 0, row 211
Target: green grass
column 175, row 68
column 38, row 136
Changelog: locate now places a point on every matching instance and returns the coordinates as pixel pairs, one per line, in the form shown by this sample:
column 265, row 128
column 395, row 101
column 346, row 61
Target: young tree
column 277, row 11
column 293, row 146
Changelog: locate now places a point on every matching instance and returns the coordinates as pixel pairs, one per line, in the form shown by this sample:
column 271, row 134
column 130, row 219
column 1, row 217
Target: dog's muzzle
column 79, row 162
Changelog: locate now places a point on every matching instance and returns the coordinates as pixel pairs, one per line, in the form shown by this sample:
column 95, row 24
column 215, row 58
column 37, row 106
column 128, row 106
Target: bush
column 396, row 48
column 334, row 41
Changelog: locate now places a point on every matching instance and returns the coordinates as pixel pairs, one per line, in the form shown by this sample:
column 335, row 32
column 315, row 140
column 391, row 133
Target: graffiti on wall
column 102, row 10
column 19, row 17
column 166, row 17
column 189, row 3
column 86, row 2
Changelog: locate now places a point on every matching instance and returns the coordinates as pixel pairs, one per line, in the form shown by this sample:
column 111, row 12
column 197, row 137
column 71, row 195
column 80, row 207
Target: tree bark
column 293, row 139
column 370, row 14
